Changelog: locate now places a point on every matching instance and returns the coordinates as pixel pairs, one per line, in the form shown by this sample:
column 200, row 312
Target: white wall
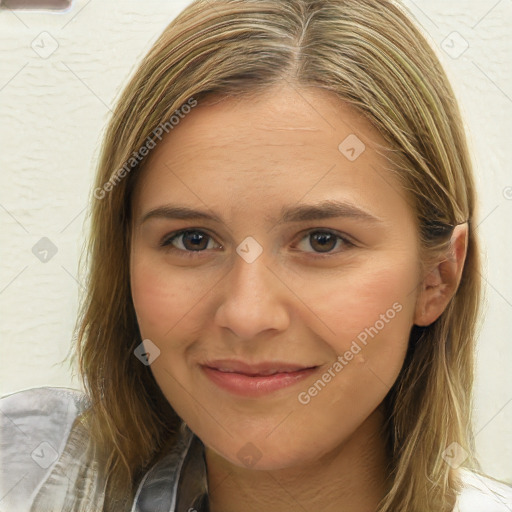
column 54, row 109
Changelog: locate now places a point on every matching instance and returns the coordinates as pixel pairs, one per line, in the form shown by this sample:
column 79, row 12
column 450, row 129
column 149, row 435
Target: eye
column 187, row 241
column 324, row 242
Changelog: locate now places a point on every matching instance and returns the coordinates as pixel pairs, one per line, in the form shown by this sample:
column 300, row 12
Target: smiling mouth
column 265, row 373
column 263, row 368
column 256, row 380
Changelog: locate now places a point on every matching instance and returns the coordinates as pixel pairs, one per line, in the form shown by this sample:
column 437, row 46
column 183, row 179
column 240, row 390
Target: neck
column 350, row 478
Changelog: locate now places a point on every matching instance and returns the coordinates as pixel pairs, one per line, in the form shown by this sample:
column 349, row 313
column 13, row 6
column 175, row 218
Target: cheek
column 160, row 298
column 153, row 302
column 367, row 318
column 371, row 318
column 351, row 301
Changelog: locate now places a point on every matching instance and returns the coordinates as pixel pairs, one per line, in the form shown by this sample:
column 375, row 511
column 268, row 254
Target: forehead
column 284, row 144
column 281, row 117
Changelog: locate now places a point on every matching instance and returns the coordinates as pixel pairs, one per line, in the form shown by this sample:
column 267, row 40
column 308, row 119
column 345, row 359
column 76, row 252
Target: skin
column 245, row 159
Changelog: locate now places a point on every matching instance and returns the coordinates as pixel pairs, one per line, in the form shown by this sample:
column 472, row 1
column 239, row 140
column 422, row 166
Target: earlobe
column 441, row 283
column 432, row 297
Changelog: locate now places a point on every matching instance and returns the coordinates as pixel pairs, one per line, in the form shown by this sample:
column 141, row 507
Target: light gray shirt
column 45, row 466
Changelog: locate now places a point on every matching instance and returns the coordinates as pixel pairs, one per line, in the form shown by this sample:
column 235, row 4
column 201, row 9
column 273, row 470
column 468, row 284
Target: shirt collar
column 177, row 482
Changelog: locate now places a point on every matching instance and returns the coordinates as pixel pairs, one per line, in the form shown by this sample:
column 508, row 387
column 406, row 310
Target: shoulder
column 483, row 494
column 35, row 424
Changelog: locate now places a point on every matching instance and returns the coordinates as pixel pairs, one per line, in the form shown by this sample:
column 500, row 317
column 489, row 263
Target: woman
column 284, row 280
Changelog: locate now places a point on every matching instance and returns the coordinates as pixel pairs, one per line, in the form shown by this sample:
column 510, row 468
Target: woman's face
column 301, row 261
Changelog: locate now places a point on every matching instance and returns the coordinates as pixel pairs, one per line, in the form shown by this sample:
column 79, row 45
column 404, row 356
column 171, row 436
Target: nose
column 254, row 299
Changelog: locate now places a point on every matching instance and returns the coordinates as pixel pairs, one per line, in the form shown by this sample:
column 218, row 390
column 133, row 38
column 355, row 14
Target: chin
column 268, row 455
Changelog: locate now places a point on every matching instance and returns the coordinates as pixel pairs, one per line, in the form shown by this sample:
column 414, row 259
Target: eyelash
column 168, row 239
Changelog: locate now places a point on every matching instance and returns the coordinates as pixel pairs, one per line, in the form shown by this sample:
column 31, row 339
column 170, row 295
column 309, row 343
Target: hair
column 371, row 55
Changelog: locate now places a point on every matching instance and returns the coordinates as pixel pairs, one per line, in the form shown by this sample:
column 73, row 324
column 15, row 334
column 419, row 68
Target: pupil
column 322, row 238
column 195, row 238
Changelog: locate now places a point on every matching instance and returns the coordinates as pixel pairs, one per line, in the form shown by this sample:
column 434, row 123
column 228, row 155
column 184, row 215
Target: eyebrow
column 300, row 213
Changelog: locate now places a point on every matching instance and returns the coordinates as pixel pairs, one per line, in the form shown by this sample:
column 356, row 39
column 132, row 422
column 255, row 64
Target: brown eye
column 325, row 242
column 188, row 241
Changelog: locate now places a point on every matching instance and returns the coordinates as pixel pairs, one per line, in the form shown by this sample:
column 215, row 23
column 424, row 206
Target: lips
column 256, row 369
column 256, row 380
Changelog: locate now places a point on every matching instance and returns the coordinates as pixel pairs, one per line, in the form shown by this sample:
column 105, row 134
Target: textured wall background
column 59, row 77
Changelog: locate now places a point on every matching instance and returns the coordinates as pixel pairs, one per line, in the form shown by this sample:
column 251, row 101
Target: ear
column 441, row 283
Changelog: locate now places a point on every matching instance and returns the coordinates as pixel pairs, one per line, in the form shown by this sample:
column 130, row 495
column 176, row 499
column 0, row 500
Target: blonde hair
column 372, row 57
